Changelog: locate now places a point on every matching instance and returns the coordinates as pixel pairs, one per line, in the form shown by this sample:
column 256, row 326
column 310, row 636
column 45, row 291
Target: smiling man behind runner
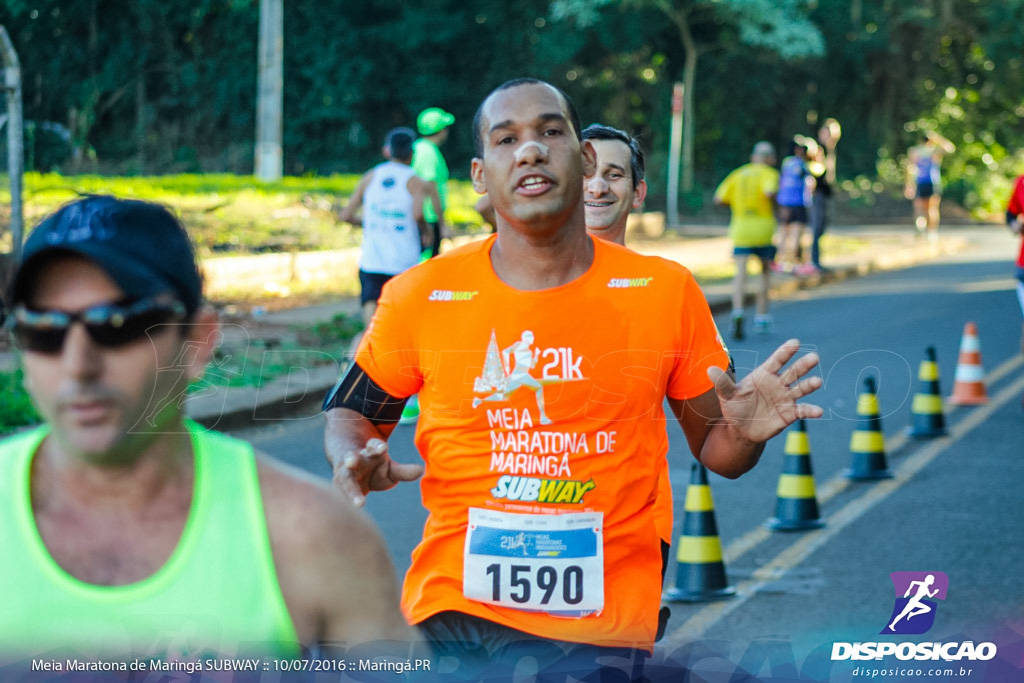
column 540, row 538
column 128, row 530
column 616, row 188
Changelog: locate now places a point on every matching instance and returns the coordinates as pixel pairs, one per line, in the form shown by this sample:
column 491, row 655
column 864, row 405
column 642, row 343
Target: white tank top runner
column 391, row 238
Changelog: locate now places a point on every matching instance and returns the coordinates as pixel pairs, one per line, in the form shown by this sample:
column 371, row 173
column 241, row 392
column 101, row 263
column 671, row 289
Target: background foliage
column 152, row 87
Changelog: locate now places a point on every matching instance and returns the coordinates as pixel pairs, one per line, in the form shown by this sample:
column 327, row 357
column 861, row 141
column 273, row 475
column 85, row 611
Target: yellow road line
column 702, row 621
column 839, row 483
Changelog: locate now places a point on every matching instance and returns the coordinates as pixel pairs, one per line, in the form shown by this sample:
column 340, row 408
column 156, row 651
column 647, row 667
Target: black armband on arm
column 356, row 391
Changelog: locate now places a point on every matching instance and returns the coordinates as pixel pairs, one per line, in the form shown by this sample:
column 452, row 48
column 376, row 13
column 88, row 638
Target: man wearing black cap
column 391, row 196
column 128, row 530
column 429, row 164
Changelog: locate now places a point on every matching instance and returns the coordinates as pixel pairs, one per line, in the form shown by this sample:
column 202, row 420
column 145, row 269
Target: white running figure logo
column 915, row 607
column 503, row 384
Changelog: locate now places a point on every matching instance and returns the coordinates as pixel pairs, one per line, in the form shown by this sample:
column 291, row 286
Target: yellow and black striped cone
column 700, row 572
column 927, row 419
column 796, row 505
column 867, row 444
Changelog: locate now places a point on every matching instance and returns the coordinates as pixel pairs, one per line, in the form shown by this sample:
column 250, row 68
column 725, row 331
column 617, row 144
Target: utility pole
column 270, row 95
column 673, row 156
column 15, row 138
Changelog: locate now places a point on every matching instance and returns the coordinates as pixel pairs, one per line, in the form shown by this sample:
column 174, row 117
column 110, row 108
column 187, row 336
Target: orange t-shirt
column 543, row 430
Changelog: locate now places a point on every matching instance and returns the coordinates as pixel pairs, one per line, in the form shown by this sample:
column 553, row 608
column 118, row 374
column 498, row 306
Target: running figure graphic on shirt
column 504, row 374
column 914, row 606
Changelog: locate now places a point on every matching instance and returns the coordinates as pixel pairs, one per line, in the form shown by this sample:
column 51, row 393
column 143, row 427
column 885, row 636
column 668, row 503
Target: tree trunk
column 946, row 13
column 680, row 18
column 140, row 123
column 81, row 119
column 270, row 89
column 15, row 140
column 689, row 117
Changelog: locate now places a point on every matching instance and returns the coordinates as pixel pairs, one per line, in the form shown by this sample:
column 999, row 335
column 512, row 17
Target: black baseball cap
column 141, row 245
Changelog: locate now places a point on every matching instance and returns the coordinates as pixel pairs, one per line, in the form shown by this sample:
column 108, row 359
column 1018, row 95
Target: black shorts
column 792, row 214
column 435, row 239
column 925, row 190
column 765, row 253
column 485, row 649
column 371, row 285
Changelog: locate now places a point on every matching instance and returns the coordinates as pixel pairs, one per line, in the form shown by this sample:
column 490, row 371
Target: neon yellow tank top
column 217, row 594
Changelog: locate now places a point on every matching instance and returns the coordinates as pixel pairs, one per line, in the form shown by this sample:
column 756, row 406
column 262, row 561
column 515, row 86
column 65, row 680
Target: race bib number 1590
column 549, row 563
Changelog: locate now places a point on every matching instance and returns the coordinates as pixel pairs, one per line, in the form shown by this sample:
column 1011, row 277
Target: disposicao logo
column 912, row 614
column 916, row 593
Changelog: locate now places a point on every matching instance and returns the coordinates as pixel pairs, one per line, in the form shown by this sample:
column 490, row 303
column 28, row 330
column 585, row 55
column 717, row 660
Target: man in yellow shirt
column 750, row 192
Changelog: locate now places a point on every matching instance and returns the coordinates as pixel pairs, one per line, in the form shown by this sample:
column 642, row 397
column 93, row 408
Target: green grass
column 253, row 366
column 339, row 330
column 257, row 361
column 228, row 213
column 16, row 409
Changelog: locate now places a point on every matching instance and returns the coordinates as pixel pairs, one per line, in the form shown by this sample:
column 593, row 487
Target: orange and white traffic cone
column 969, row 382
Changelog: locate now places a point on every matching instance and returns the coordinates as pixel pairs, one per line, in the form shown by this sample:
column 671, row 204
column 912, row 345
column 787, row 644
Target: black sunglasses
column 109, row 325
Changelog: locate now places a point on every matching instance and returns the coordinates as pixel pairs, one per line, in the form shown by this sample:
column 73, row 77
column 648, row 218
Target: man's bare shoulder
column 291, row 494
column 313, row 528
column 332, row 565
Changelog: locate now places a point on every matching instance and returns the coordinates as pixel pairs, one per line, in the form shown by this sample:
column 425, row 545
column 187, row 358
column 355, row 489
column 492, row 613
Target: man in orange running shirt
column 540, row 538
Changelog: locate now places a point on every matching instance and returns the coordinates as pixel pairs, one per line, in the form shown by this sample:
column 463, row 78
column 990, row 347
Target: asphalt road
column 954, row 505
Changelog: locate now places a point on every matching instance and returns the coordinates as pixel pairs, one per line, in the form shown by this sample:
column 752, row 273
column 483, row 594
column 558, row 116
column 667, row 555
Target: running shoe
column 807, row 269
column 737, row 327
column 411, row 412
column 764, row 324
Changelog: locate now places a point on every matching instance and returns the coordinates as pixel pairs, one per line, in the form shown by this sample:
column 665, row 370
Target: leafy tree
column 147, row 86
column 781, row 26
column 136, row 80
column 953, row 66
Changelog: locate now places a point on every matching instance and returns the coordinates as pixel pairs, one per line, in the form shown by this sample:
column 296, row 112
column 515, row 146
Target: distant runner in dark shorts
column 924, row 181
column 794, row 193
column 371, row 285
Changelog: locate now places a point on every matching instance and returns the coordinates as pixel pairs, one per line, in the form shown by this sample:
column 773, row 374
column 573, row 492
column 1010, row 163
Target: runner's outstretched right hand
column 371, row 469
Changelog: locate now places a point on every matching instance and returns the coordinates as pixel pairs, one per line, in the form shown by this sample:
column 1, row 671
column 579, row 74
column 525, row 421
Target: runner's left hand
column 764, row 402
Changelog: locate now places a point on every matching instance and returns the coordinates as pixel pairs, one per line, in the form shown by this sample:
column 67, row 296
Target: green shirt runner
column 429, row 164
